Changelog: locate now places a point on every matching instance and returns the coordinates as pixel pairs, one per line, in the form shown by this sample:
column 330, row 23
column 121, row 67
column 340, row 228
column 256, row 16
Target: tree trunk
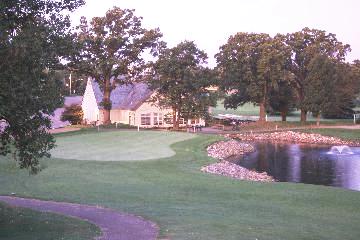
column 303, row 116
column 318, row 119
column 175, row 122
column 283, row 114
column 106, row 102
column 262, row 114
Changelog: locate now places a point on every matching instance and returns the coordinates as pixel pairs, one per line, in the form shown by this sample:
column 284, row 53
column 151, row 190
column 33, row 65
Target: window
column 168, row 119
column 158, row 118
column 146, row 119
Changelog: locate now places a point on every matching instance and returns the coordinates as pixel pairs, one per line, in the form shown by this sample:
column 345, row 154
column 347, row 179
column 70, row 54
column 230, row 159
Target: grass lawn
column 349, row 134
column 118, row 146
column 25, row 224
column 250, row 109
column 247, row 109
column 188, row 204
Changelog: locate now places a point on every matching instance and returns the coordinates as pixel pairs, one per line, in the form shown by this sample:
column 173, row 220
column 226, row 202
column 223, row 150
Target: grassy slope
column 188, row 204
column 24, row 224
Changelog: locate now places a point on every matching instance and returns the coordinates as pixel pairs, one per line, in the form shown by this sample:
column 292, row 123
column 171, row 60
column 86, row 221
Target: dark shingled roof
column 126, row 96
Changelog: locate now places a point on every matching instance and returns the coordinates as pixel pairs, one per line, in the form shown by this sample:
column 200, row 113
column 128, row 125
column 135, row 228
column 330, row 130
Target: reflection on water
column 306, row 164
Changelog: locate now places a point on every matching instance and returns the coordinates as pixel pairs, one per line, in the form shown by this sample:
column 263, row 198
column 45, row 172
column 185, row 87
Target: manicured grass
column 25, row 224
column 188, row 204
column 118, row 145
column 250, row 109
column 349, row 134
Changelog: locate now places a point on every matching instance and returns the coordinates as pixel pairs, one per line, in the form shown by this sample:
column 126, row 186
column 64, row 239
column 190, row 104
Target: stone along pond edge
column 225, row 149
column 232, row 147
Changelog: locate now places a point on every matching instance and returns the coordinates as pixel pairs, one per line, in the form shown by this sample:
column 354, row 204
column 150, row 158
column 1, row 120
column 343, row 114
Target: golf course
column 156, row 175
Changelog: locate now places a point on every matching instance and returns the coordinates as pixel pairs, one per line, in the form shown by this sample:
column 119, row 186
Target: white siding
column 147, row 108
column 89, row 105
column 119, row 116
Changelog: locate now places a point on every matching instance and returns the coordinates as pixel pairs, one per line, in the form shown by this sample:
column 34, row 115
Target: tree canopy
column 33, row 37
column 113, row 47
column 250, row 65
column 181, row 81
column 306, row 45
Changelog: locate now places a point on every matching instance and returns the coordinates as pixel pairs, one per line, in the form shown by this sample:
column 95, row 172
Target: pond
column 309, row 164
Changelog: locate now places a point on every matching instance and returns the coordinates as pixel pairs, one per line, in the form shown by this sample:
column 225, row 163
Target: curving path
column 113, row 224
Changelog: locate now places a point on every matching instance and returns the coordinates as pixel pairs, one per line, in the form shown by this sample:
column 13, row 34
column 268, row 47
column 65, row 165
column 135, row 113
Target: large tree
column 282, row 99
column 345, row 88
column 113, row 47
column 250, row 65
column 306, row 45
column 320, row 85
column 330, row 88
column 33, row 37
column 181, row 82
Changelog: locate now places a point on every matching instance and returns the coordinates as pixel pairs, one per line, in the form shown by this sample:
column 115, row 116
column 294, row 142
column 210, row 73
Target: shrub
column 73, row 114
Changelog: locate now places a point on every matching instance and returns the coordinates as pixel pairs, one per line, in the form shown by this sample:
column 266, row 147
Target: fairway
column 184, row 202
column 118, row 145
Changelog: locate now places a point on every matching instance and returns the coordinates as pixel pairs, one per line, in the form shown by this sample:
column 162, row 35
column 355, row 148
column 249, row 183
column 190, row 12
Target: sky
column 210, row 23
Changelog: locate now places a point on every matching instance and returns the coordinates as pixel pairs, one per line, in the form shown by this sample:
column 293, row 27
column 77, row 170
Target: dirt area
column 114, row 225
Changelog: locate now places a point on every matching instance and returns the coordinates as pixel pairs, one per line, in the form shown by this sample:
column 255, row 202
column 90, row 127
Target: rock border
column 225, row 149
column 293, row 137
column 232, row 170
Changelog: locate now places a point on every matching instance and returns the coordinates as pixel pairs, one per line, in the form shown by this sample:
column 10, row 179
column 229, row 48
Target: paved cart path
column 114, row 225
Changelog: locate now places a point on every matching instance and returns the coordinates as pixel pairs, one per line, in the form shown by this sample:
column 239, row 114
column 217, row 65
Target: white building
column 130, row 105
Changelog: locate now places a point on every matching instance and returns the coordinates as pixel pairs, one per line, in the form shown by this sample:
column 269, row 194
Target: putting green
column 118, row 145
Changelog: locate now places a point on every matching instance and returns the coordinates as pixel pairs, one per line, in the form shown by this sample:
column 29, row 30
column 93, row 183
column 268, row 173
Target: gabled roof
column 126, row 96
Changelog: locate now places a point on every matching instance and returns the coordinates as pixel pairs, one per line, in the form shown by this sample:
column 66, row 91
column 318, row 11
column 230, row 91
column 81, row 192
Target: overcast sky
column 210, row 23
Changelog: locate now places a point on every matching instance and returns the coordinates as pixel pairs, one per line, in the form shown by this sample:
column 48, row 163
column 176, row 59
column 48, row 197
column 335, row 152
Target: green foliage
column 73, row 114
column 282, row 99
column 330, row 88
column 307, row 45
column 34, row 35
column 250, row 65
column 78, row 82
column 112, row 47
column 106, row 104
column 181, row 81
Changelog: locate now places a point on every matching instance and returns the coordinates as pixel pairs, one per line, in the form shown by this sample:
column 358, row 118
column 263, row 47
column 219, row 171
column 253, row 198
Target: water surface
column 310, row 164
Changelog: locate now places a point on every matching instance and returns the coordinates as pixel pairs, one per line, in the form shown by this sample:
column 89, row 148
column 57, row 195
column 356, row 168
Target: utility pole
column 70, row 83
